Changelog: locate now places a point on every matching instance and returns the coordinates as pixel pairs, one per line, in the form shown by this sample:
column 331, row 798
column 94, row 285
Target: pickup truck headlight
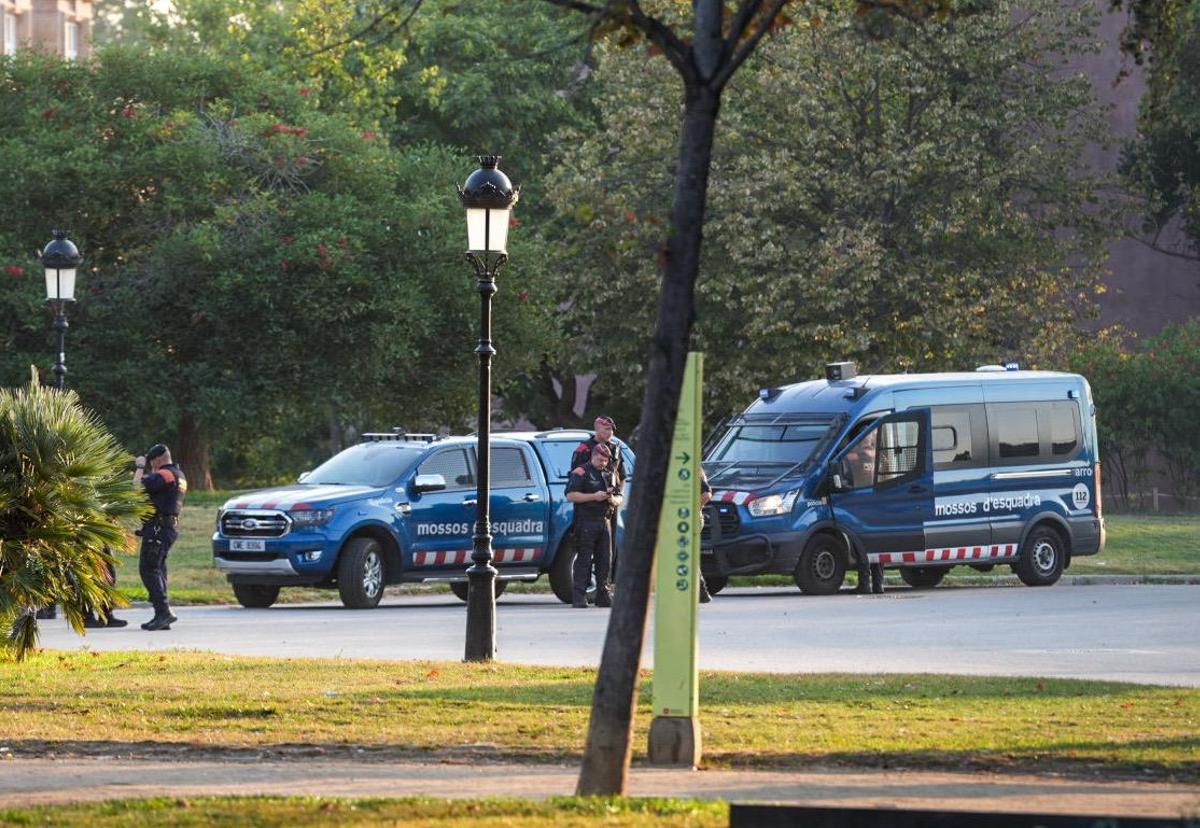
column 310, row 517
column 771, row 505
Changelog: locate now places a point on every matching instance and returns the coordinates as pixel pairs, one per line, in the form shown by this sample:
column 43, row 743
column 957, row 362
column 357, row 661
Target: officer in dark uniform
column 705, row 497
column 593, row 489
column 603, row 436
column 166, row 487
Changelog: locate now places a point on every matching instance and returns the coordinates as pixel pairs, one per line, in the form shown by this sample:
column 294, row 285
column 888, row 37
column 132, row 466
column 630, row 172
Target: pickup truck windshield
column 750, row 453
column 367, row 464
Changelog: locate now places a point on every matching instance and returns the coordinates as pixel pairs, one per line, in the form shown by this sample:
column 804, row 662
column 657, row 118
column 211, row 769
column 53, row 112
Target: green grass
column 297, row 811
column 1137, row 545
column 149, row 703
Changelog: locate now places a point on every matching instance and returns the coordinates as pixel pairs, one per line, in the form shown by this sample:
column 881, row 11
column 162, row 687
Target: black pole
column 481, row 576
column 60, row 325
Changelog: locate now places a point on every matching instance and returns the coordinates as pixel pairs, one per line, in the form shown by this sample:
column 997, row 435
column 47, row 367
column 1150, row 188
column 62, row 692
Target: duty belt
column 169, row 520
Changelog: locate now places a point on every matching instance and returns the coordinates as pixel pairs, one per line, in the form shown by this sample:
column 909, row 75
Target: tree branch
column 370, row 27
column 1153, row 245
column 749, row 45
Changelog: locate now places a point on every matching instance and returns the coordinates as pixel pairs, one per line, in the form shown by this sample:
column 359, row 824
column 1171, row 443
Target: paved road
column 26, row 782
column 1128, row 633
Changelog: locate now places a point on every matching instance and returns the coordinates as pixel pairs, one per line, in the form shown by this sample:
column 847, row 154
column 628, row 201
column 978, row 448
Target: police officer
column 705, row 497
column 603, row 436
column 594, row 490
column 103, row 616
column 166, row 487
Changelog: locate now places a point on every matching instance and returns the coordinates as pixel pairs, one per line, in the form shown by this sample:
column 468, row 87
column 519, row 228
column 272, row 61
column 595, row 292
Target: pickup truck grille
column 726, row 515
column 254, row 524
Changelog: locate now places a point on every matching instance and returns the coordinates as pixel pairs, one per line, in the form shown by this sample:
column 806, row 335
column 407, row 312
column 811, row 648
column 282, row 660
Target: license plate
column 247, row 546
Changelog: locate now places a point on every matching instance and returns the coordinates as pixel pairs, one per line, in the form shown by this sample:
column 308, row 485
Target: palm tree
column 64, row 495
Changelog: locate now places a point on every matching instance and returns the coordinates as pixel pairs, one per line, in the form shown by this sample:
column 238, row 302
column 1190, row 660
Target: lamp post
column 488, row 197
column 61, row 259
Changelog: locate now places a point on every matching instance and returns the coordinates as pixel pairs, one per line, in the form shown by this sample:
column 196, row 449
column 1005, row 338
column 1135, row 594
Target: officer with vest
column 594, row 490
column 603, row 436
column 166, row 487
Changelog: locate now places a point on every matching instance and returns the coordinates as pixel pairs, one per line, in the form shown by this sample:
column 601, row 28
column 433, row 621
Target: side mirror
column 303, row 476
column 428, row 483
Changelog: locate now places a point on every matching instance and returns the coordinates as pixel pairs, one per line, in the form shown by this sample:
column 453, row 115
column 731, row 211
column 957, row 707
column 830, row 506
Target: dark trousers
column 870, row 576
column 90, row 612
column 593, row 548
column 157, row 538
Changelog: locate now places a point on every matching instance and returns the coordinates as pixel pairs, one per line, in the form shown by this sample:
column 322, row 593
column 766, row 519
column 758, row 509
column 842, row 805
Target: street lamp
column 488, row 197
column 61, row 259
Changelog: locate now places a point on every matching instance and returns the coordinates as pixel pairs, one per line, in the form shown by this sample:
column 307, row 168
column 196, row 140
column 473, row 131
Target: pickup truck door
column 442, row 523
column 520, row 507
column 887, row 485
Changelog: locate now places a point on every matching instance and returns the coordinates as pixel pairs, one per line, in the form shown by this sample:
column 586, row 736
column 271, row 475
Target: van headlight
column 771, row 505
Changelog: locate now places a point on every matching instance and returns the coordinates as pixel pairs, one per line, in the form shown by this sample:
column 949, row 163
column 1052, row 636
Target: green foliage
column 915, row 200
column 1163, row 161
column 1145, row 402
column 64, row 492
column 253, row 264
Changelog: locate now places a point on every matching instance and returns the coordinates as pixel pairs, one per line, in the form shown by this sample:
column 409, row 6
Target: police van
column 917, row 472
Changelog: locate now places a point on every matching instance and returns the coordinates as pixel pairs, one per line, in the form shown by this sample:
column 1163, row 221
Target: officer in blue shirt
column 166, row 486
column 594, row 491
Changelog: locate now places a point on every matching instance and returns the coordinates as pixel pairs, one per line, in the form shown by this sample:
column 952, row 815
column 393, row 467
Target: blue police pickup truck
column 400, row 508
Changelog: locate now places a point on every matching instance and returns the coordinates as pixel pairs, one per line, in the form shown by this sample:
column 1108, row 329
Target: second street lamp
column 61, row 259
column 488, row 197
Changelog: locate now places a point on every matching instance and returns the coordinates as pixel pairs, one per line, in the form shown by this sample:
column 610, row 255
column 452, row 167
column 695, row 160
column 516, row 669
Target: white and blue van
column 918, row 472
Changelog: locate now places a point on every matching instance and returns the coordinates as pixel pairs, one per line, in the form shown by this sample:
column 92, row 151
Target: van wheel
column 822, row 567
column 923, row 577
column 360, row 574
column 1042, row 558
column 715, row 584
column 255, row 596
column 460, row 588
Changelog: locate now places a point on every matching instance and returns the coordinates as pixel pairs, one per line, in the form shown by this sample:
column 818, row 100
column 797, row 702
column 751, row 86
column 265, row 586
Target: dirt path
column 38, row 781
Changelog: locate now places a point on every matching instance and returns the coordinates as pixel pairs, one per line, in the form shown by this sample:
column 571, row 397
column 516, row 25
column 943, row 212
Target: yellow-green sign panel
column 677, row 557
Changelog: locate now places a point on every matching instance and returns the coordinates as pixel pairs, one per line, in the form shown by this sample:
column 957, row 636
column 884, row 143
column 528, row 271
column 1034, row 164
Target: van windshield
column 753, row 452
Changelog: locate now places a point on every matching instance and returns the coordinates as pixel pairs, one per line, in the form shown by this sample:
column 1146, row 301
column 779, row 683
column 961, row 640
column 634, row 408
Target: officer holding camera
column 166, row 486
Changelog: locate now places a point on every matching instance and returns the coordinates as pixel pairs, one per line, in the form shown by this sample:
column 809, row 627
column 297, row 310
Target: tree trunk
column 610, row 732
column 193, row 455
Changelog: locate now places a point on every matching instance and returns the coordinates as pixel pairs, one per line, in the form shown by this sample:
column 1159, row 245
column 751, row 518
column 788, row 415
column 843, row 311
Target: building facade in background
column 56, row 27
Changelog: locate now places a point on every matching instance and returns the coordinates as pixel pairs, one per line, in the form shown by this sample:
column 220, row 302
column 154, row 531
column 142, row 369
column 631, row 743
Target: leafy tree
column 64, row 495
column 909, row 201
column 1163, row 161
column 250, row 257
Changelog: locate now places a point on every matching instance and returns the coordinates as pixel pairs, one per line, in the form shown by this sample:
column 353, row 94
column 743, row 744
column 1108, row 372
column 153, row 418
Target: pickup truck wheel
column 822, row 567
column 561, row 576
column 923, row 577
column 255, row 596
column 715, row 584
column 460, row 588
column 360, row 574
column 1042, row 557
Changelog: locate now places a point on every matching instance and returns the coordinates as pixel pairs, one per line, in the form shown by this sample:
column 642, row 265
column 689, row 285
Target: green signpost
column 675, row 731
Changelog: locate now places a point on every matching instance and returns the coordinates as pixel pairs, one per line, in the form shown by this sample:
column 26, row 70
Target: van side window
column 1016, row 428
column 1064, row 430
column 959, row 439
column 899, row 450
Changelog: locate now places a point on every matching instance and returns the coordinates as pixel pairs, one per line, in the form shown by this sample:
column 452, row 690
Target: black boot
column 160, row 621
